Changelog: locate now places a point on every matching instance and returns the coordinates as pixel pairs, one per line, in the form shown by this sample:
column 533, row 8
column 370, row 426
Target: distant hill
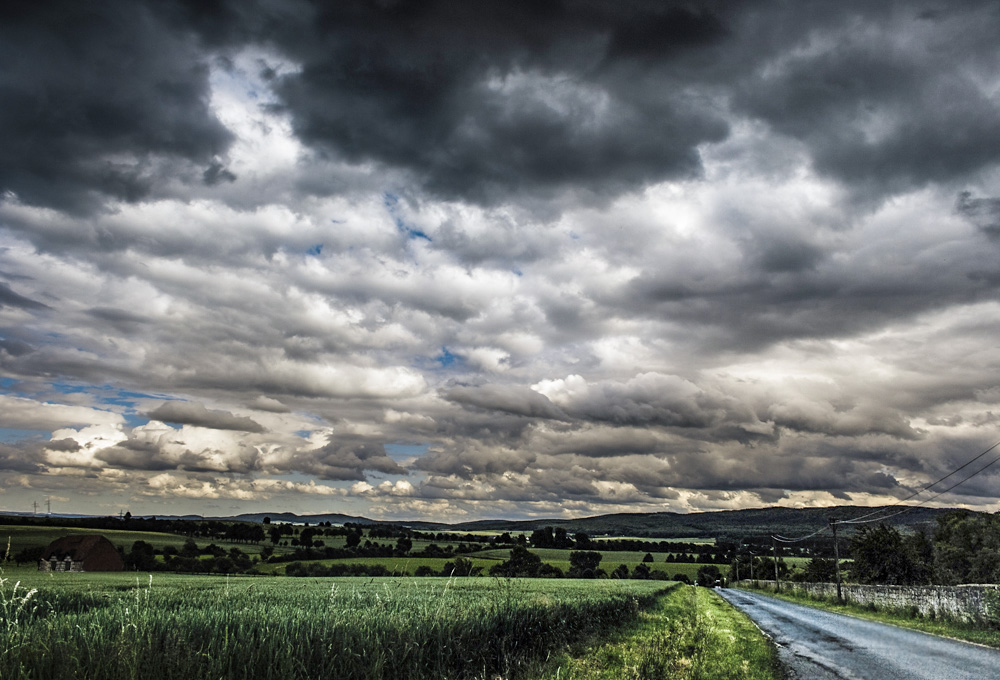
column 333, row 518
column 792, row 522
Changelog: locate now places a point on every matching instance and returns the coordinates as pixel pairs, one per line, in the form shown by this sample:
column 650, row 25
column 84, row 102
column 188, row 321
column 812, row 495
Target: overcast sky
column 452, row 260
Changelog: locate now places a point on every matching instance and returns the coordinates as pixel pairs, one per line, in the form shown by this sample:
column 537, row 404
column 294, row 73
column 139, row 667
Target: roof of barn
column 95, row 551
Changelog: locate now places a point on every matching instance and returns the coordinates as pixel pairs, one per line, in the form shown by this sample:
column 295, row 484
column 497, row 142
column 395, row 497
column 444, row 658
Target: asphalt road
column 819, row 645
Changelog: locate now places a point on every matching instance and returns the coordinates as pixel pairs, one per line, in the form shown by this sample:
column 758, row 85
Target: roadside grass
column 981, row 634
column 691, row 634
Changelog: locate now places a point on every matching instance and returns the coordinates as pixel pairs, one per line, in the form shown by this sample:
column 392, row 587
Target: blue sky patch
column 446, row 359
column 9, row 435
column 403, row 451
column 412, row 232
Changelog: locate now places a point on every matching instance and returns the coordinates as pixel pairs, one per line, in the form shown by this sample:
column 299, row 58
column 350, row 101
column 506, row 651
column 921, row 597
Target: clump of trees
column 524, row 563
column 964, row 547
column 882, row 555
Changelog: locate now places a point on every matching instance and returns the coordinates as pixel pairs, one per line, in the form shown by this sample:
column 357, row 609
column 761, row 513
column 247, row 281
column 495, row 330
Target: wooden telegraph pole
column 774, row 548
column 836, row 557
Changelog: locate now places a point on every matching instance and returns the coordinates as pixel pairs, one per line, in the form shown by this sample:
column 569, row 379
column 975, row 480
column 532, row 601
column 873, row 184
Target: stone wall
column 968, row 603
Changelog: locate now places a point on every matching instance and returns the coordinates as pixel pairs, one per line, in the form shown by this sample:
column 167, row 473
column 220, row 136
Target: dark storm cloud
column 217, row 174
column 785, row 291
column 10, row 298
column 121, row 319
column 20, row 458
column 492, row 102
column 982, row 212
column 885, row 97
column 95, row 97
column 158, row 452
column 487, row 101
column 344, row 458
column 511, row 399
column 469, row 458
column 648, row 399
column 64, row 445
column 190, row 413
column 268, row 404
column 135, row 454
column 659, row 33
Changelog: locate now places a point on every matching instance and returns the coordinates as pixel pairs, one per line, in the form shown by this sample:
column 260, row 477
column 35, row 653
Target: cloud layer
column 453, row 260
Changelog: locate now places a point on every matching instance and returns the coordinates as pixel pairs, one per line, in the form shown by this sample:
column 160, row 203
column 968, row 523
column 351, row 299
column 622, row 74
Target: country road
column 818, row 645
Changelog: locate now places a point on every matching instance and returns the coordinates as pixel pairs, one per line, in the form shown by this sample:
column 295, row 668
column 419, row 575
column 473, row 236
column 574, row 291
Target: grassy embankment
column 983, row 634
column 692, row 633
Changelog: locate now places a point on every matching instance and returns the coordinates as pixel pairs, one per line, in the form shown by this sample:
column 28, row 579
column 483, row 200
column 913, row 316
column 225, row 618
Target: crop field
column 40, row 536
column 409, row 565
column 126, row 625
column 21, row 537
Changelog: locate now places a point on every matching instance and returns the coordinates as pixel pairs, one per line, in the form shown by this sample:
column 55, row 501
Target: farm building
column 81, row 553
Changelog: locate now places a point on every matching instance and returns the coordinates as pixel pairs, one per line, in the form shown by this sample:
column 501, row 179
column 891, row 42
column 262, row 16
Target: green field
column 487, row 559
column 125, row 625
column 40, row 536
column 122, row 625
column 130, row 626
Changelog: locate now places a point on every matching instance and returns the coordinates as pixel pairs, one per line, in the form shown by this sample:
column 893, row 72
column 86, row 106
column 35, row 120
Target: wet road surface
column 818, row 645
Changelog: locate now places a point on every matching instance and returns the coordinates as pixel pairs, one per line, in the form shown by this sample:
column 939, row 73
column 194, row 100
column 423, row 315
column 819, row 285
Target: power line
column 786, row 539
column 857, row 520
column 992, row 462
column 862, row 520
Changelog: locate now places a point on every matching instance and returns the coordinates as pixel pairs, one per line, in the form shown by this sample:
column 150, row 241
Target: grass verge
column 969, row 632
column 692, row 633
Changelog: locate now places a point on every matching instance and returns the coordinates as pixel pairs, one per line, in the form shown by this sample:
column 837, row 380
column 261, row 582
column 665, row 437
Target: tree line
column 962, row 547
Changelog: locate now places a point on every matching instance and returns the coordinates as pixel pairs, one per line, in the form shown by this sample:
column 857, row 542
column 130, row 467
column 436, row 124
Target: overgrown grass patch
column 692, row 633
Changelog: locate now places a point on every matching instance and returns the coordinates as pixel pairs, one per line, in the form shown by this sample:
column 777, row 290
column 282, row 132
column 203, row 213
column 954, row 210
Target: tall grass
column 691, row 634
column 203, row 627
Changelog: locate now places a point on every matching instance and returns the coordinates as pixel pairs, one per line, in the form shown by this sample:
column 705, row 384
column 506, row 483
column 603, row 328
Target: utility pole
column 774, row 548
column 34, row 508
column 836, row 557
column 48, row 507
column 739, row 549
